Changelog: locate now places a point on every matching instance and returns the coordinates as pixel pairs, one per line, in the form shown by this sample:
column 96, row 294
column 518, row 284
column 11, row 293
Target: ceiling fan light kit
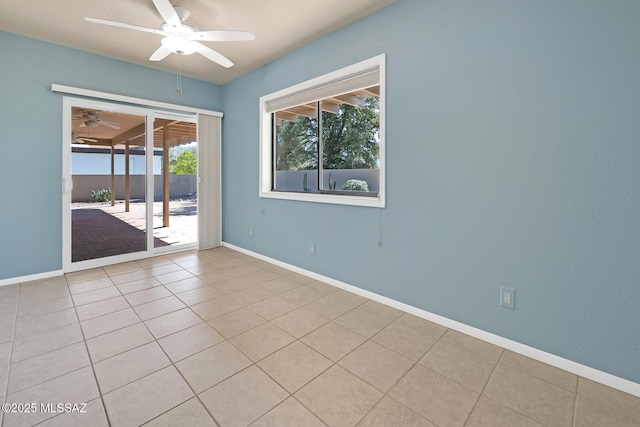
column 180, row 45
column 181, row 38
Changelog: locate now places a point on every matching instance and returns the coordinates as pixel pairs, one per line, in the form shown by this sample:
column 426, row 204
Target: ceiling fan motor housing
column 178, row 41
column 180, row 45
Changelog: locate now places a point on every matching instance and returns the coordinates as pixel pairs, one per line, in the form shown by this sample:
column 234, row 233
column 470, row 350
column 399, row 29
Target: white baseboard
column 30, row 278
column 539, row 355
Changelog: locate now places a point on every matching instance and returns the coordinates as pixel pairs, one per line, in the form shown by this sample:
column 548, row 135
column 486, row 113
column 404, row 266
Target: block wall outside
column 179, row 186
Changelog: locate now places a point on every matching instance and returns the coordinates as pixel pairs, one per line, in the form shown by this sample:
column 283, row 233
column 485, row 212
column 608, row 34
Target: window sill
column 367, row 201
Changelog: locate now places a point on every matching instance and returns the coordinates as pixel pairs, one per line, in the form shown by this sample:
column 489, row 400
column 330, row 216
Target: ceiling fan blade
column 123, row 25
column 111, row 125
column 222, row 36
column 167, row 12
column 214, row 56
column 160, row 53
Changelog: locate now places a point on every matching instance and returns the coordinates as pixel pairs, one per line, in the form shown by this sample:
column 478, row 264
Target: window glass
column 323, row 140
column 351, row 142
column 346, row 136
column 296, row 150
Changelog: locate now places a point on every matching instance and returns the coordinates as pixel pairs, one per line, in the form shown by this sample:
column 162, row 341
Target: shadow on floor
column 96, row 234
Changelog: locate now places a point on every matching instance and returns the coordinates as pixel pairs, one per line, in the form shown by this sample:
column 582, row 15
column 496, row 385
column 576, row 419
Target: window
column 323, row 140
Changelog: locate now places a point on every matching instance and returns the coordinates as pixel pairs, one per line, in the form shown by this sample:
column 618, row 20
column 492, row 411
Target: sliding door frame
column 151, row 110
column 151, row 189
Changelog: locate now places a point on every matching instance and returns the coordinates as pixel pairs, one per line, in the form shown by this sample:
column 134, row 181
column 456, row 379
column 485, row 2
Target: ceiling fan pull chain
column 179, row 77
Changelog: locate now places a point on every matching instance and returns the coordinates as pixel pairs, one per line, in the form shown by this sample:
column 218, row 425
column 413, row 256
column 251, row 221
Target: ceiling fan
column 181, row 38
column 91, row 119
column 75, row 139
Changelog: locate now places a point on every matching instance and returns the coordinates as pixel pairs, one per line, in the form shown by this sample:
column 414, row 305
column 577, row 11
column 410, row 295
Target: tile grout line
column 296, row 339
column 498, row 363
column 86, row 347
column 228, row 340
column 481, row 394
column 416, row 363
column 290, row 394
column 13, row 340
column 333, row 363
column 50, row 351
column 173, row 364
column 574, row 419
column 367, row 339
column 386, row 393
column 155, row 340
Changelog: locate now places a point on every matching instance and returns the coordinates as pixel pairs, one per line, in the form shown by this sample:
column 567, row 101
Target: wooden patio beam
column 130, row 134
column 127, row 179
column 165, row 176
column 113, row 177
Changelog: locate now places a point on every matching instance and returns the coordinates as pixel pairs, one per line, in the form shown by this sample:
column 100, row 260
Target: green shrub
column 102, row 195
column 355, row 185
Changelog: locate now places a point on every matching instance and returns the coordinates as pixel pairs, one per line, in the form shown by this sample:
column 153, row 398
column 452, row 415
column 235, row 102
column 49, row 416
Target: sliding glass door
column 175, row 207
column 130, row 183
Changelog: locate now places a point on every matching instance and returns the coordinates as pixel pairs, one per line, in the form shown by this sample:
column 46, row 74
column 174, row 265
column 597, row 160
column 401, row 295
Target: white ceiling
column 280, row 26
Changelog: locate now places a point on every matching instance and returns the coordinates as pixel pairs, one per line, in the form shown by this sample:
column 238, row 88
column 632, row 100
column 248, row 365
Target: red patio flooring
column 97, row 234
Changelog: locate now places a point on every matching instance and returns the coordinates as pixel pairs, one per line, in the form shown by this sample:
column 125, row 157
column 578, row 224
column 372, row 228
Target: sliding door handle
column 67, row 185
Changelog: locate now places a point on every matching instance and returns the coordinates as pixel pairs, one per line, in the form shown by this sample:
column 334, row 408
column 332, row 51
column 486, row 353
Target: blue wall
column 524, row 120
column 31, row 138
column 523, row 116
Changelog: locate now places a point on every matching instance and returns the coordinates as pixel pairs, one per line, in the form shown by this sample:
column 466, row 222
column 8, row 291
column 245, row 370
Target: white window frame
column 316, row 84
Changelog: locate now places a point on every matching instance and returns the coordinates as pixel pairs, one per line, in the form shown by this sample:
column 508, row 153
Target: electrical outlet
column 250, row 232
column 312, row 250
column 507, row 297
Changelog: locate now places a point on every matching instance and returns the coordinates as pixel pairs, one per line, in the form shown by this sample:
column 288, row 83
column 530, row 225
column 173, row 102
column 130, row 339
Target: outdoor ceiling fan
column 181, row 38
column 91, row 119
column 75, row 139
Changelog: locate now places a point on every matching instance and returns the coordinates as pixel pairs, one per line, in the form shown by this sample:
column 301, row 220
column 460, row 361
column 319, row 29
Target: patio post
column 127, row 181
column 113, row 179
column 165, row 175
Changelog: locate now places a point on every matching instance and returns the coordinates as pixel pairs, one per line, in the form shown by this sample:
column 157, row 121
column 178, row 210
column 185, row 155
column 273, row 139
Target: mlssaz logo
column 63, row 407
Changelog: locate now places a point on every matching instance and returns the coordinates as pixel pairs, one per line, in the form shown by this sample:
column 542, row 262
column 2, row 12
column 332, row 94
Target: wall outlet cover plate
column 507, row 297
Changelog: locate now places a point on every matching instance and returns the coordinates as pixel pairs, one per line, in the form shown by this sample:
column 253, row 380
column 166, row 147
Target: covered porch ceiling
column 331, row 105
column 100, row 128
column 111, row 129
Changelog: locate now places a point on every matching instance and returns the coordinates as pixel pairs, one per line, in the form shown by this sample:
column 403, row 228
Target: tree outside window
column 348, row 139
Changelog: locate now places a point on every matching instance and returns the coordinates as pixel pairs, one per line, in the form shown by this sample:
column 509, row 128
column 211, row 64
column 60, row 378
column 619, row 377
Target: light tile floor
column 220, row 338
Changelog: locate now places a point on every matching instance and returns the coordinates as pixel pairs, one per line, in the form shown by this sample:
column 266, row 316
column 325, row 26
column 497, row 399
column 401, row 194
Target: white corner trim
column 130, row 100
column 539, row 355
column 30, row 278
